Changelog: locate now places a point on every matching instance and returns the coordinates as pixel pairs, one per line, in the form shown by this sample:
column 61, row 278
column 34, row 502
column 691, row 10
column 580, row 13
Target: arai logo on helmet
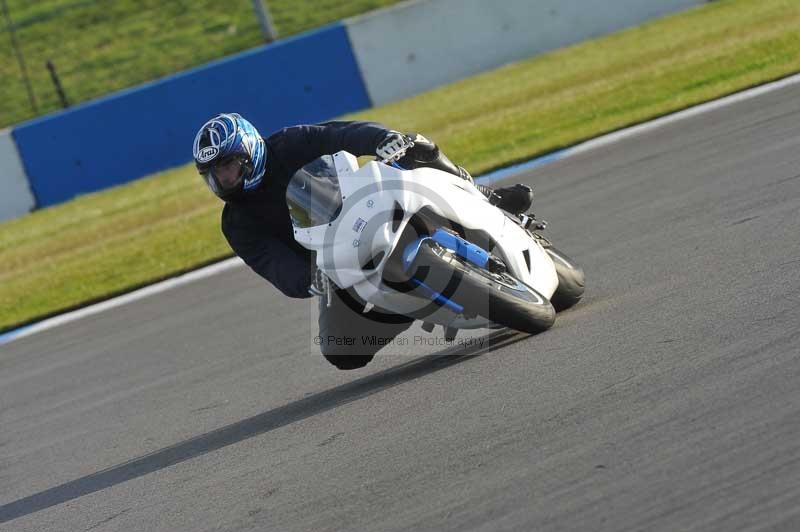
column 207, row 153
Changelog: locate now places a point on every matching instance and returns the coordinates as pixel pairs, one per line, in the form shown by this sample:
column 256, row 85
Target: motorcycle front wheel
column 499, row 297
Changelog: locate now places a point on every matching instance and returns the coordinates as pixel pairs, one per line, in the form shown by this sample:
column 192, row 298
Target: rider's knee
column 348, row 362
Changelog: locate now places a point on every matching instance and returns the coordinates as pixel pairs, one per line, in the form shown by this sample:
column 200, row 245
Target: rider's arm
column 358, row 138
column 299, row 145
column 284, row 267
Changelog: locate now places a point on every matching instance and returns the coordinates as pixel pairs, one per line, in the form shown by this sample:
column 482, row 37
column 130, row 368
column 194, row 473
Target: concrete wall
column 418, row 45
column 147, row 129
column 16, row 198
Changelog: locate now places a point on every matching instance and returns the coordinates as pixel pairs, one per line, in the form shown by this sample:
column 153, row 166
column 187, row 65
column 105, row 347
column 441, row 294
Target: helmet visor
column 225, row 176
column 228, row 173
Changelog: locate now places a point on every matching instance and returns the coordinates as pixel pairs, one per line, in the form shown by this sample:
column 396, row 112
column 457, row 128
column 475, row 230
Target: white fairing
column 365, row 228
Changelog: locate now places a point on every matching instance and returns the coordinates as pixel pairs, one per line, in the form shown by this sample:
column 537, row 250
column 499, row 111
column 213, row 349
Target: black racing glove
column 393, row 146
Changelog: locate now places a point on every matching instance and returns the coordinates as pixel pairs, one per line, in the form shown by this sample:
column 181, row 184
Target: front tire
column 500, row 298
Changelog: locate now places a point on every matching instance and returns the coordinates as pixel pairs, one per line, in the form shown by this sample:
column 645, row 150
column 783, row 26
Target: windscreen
column 313, row 194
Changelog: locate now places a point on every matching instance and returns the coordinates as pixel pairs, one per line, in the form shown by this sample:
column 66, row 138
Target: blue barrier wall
column 147, row 129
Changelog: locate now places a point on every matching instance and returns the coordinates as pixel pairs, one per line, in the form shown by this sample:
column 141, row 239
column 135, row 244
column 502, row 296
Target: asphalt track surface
column 669, row 399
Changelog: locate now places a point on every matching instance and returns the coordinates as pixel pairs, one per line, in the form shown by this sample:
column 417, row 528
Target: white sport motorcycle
column 427, row 244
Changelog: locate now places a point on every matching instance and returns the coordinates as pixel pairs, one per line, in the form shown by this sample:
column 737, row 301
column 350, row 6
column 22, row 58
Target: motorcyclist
column 251, row 174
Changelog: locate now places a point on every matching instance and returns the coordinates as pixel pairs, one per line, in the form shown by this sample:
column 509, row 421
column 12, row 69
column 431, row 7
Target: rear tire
column 500, row 298
column 571, row 282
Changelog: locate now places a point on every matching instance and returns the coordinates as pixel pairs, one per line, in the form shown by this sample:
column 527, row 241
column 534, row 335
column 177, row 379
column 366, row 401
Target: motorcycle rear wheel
column 571, row 281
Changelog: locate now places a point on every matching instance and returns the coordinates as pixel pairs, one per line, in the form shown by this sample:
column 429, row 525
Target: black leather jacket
column 258, row 227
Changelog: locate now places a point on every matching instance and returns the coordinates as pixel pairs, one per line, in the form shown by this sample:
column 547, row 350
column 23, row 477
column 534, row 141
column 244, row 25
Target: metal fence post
column 265, row 21
column 20, row 58
column 57, row 83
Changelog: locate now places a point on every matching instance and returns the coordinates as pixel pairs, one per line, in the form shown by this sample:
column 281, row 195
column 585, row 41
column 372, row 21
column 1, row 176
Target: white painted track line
column 616, row 136
column 136, row 295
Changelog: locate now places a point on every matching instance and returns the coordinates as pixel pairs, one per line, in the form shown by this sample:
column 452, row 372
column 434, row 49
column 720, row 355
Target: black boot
column 516, row 199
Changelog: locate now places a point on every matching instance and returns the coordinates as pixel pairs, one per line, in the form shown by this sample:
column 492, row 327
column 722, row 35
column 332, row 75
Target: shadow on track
column 254, row 426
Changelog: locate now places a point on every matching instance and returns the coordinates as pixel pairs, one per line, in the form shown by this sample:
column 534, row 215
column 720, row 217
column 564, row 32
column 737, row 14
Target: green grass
column 119, row 239
column 576, row 93
column 99, row 47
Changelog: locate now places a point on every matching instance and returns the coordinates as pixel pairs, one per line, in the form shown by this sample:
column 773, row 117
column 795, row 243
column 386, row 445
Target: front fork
column 461, row 247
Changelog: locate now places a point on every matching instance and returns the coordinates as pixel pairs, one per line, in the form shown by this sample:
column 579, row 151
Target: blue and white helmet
column 230, row 155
